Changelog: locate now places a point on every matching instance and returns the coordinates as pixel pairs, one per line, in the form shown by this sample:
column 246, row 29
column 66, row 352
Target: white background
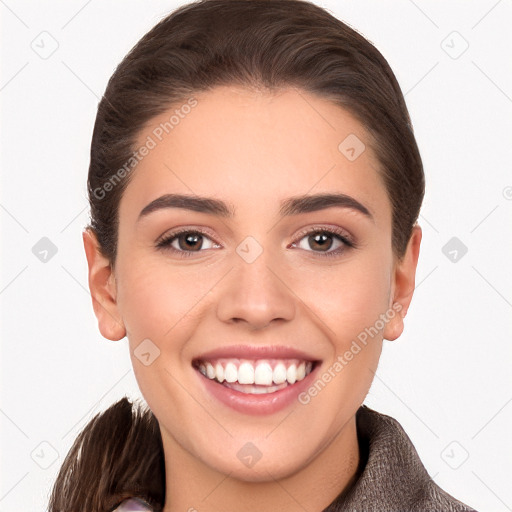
column 447, row 379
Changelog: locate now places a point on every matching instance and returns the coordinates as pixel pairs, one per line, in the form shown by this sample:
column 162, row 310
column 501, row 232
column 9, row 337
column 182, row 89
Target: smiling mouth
column 255, row 376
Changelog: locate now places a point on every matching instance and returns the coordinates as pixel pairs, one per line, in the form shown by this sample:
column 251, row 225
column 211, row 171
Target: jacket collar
column 392, row 477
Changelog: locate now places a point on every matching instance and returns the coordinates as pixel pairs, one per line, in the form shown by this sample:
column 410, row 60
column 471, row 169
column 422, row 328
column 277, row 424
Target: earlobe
column 403, row 286
column 102, row 288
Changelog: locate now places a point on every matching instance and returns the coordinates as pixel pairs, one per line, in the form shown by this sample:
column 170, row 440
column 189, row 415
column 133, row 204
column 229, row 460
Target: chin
column 261, row 460
column 262, row 471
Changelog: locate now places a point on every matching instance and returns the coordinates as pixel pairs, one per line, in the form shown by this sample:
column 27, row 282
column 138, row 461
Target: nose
column 256, row 294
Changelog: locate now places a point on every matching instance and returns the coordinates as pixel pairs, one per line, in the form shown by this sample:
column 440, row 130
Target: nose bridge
column 255, row 293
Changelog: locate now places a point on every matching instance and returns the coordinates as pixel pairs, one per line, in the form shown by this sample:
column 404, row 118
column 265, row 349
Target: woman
column 254, row 188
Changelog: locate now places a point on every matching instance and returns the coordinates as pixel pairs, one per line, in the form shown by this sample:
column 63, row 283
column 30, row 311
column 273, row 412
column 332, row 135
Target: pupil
column 190, row 239
column 321, row 243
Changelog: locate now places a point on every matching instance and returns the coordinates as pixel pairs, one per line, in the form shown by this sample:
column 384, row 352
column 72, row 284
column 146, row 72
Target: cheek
column 161, row 305
column 157, row 299
column 351, row 302
column 349, row 297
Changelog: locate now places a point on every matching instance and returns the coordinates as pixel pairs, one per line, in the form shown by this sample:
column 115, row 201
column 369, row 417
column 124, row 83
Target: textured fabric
column 391, row 478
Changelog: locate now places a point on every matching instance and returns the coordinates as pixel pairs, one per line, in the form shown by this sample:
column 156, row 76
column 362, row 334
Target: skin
column 253, row 150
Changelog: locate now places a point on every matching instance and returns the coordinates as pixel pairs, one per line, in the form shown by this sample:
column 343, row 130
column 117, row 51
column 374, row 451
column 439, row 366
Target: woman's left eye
column 324, row 241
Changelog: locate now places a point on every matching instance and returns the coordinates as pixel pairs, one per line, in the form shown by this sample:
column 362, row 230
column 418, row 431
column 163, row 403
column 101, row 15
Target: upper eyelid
column 335, row 231
column 169, row 235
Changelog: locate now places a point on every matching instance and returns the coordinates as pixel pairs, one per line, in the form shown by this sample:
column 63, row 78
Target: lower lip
column 265, row 403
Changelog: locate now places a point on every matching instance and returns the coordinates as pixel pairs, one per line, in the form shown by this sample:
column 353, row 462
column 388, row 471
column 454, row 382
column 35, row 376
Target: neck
column 193, row 486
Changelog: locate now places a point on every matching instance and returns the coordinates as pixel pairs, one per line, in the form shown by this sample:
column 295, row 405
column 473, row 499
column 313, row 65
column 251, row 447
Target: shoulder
column 133, row 505
column 393, row 476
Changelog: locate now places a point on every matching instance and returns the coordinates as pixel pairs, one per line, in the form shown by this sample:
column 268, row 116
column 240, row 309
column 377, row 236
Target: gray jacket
column 392, row 478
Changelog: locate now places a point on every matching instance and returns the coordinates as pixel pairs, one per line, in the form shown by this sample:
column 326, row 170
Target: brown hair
column 259, row 44
column 118, row 455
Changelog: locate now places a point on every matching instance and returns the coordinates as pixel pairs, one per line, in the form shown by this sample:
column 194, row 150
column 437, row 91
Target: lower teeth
column 254, row 389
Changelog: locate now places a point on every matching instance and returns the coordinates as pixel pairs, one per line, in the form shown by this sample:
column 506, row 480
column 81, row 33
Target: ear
column 403, row 285
column 103, row 289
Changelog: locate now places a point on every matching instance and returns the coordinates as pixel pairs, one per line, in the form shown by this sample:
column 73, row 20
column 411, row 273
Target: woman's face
column 255, row 319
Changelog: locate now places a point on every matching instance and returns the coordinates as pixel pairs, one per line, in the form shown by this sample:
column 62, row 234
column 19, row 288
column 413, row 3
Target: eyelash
column 165, row 242
column 341, row 235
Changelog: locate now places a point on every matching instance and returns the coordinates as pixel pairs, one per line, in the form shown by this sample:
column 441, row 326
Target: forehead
column 245, row 146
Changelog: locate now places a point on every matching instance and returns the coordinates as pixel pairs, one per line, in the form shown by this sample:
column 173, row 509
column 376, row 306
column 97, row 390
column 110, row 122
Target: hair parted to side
column 265, row 45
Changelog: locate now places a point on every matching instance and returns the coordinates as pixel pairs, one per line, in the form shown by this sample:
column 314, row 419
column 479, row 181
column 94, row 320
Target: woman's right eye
column 186, row 242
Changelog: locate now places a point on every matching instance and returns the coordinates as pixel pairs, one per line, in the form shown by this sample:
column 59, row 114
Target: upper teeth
column 262, row 372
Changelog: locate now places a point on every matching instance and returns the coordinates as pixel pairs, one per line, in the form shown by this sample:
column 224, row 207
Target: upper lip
column 256, row 352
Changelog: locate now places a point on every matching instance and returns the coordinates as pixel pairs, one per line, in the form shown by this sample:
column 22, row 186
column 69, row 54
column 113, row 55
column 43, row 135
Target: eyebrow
column 291, row 206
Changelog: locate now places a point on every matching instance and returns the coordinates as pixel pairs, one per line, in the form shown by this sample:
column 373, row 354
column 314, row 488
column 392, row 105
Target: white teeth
column 231, row 373
column 260, row 391
column 263, row 374
column 301, row 371
column 254, row 389
column 279, row 374
column 246, row 374
column 219, row 372
column 210, row 371
column 291, row 374
column 256, row 373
